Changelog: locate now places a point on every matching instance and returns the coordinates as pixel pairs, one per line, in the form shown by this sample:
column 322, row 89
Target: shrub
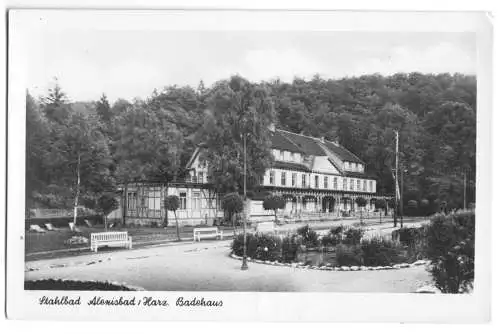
column 411, row 236
column 381, row 252
column 333, row 237
column 352, row 236
column 290, row 246
column 309, row 236
column 259, row 246
column 450, row 247
column 348, row 255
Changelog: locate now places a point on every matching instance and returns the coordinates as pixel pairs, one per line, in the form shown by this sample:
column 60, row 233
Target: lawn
column 55, row 240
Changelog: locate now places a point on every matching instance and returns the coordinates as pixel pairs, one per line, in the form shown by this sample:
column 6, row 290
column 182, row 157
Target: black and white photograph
column 165, row 154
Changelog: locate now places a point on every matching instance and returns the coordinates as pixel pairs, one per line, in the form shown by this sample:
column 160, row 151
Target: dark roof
column 342, row 152
column 358, row 175
column 280, row 142
column 308, row 145
column 290, row 165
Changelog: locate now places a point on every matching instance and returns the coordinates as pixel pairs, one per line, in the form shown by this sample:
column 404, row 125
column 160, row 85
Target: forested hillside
column 86, row 148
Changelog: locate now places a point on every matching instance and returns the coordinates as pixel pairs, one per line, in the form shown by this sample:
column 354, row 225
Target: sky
column 131, row 64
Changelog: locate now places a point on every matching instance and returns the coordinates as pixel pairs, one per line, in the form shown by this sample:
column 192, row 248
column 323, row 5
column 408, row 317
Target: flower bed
column 343, row 248
column 51, row 284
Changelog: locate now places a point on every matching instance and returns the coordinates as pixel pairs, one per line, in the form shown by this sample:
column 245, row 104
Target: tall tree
column 237, row 109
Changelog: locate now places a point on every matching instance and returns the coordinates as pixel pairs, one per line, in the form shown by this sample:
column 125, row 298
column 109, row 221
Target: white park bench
column 206, row 232
column 110, row 239
column 265, row 227
column 36, row 228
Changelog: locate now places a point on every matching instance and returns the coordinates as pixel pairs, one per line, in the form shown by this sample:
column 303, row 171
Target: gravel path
column 206, row 266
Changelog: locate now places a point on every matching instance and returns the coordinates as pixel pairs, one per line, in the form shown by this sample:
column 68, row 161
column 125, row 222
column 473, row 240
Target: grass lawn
column 55, row 240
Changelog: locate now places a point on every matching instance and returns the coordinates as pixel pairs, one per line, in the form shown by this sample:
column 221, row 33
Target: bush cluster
column 381, row 252
column 309, row 236
column 450, row 247
column 261, row 246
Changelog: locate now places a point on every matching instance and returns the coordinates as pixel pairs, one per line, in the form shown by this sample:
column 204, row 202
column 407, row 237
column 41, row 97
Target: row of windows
column 287, row 156
column 155, row 202
column 354, row 167
column 358, row 186
column 198, row 178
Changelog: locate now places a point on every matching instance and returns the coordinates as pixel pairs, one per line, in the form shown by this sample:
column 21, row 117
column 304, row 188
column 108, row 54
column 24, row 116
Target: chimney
column 271, row 127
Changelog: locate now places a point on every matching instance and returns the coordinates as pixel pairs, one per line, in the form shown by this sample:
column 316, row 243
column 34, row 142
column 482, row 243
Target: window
column 334, row 183
column 271, row 177
column 154, row 199
column 358, row 185
column 287, row 155
column 344, row 184
column 182, row 201
column 283, row 178
column 351, row 184
column 371, row 186
column 346, row 165
column 364, row 185
column 350, row 166
column 200, row 177
column 303, row 180
column 131, row 200
column 325, row 182
column 196, row 201
column 193, row 176
column 316, row 181
column 294, row 179
column 282, row 155
column 261, row 180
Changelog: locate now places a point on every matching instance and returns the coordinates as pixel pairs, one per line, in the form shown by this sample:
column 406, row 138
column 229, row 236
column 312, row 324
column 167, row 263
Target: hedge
column 450, row 247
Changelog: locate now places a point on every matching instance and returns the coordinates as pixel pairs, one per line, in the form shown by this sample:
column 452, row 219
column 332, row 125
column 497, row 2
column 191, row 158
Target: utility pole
column 465, row 189
column 396, row 181
column 244, row 264
column 401, row 195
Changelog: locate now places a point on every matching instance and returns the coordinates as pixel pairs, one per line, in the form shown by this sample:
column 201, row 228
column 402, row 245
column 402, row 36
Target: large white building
column 315, row 176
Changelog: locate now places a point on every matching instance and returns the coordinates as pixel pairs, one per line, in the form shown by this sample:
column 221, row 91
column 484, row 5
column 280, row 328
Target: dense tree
column 237, row 109
column 104, row 109
column 434, row 114
column 172, row 203
column 106, row 204
column 274, row 203
column 361, row 202
column 232, row 203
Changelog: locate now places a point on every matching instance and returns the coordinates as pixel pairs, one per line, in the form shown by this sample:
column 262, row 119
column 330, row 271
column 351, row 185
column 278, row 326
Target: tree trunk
column 177, row 227
column 105, row 222
column 380, row 216
column 275, row 216
column 77, row 195
column 124, row 208
column 166, row 211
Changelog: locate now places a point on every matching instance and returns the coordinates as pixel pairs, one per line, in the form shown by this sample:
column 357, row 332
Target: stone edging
column 302, row 265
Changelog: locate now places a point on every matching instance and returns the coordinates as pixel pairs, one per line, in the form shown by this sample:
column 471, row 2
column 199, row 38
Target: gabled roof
column 342, row 152
column 307, row 145
column 280, row 142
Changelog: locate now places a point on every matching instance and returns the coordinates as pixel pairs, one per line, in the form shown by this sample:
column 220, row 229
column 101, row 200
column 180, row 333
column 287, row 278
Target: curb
column 301, row 265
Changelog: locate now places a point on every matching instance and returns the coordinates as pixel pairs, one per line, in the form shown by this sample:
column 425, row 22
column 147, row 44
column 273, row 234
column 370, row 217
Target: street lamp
column 244, row 264
column 403, row 171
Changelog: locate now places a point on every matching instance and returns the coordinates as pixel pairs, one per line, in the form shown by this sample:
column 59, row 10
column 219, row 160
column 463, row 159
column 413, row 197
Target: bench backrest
column 36, row 228
column 109, row 236
column 268, row 226
column 206, row 230
column 49, row 226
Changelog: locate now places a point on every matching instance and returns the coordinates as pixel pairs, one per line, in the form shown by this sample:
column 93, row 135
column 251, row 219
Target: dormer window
column 282, row 155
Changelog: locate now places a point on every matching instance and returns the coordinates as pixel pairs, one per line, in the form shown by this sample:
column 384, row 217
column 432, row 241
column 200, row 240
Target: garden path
column 206, row 266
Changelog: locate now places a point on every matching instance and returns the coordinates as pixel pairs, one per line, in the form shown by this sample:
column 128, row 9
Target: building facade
column 314, row 176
